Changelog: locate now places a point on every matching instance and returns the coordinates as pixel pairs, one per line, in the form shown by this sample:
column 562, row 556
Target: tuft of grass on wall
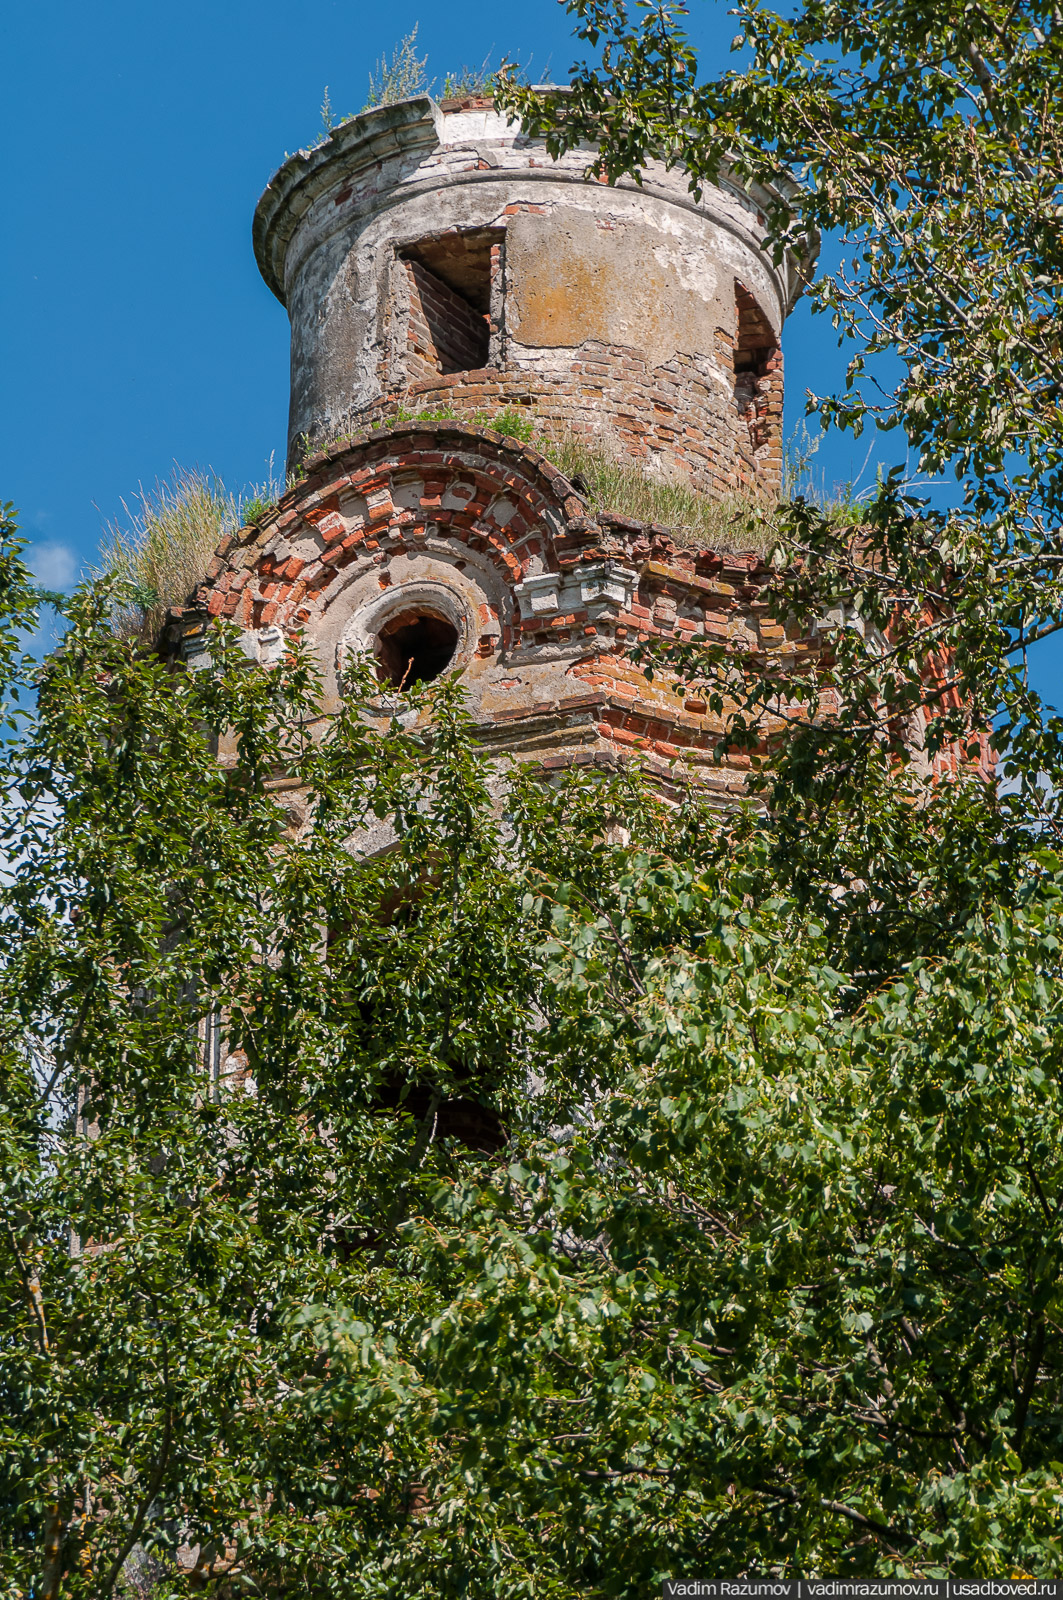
column 165, row 545
column 469, row 81
column 738, row 524
column 404, row 75
column 843, row 504
column 610, row 483
column 401, row 78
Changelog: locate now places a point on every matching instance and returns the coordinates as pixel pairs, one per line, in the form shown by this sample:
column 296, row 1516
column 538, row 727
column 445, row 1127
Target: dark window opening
column 414, row 647
column 463, row 261
column 473, row 1124
column 757, row 373
column 450, row 279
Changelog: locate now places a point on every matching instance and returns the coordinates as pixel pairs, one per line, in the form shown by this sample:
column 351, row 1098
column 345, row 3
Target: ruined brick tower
column 432, row 258
column 435, row 253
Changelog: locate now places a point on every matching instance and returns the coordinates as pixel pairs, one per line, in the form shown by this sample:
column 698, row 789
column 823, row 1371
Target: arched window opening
column 414, row 647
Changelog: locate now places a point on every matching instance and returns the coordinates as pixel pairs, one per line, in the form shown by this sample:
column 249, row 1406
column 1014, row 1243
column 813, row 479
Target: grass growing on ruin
column 403, row 77
column 164, row 547
column 610, row 483
column 739, row 524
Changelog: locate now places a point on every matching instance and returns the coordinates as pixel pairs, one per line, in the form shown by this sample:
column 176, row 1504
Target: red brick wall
column 443, row 332
column 682, row 594
column 677, row 415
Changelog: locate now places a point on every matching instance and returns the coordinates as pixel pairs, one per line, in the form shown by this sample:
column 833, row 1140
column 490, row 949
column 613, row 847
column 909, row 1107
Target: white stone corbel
column 264, row 646
column 539, row 596
column 605, row 587
column 194, row 652
column 601, row 588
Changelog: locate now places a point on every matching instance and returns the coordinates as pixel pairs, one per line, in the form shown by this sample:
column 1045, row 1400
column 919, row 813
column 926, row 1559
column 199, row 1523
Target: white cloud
column 55, row 566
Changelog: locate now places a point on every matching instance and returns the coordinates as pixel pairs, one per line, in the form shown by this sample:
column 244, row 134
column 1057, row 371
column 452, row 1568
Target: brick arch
column 379, row 496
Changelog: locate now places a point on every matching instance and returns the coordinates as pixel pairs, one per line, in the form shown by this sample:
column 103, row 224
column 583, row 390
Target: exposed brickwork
column 443, row 261
column 678, row 415
column 758, row 382
column 725, row 436
column 717, row 422
column 557, row 688
column 444, row 333
column 464, row 259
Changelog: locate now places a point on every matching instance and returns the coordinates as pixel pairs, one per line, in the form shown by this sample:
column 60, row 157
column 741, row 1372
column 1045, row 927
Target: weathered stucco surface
column 417, row 236
column 413, row 240
column 612, row 309
column 575, row 276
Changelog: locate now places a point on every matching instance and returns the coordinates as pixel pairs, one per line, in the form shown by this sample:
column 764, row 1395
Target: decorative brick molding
column 541, row 602
column 545, row 601
column 605, row 590
column 433, row 257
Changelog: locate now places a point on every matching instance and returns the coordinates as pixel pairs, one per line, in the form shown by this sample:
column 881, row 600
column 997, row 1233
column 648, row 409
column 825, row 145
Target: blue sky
column 135, row 330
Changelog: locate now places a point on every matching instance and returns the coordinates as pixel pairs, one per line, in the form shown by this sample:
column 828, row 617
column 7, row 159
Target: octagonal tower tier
column 433, row 256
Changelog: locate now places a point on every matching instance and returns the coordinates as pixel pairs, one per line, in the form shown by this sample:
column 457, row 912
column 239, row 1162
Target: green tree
column 589, row 1191
column 765, row 1277
column 927, row 141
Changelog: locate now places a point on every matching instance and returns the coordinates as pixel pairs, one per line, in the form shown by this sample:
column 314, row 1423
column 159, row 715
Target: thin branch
column 32, row 1287
column 893, row 1536
column 1033, row 1367
column 145, row 1506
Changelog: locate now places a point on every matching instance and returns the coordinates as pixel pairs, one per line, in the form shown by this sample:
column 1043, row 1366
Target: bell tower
column 433, row 259
column 432, row 254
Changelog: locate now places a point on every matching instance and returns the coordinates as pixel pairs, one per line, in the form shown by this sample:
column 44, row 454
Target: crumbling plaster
column 627, row 283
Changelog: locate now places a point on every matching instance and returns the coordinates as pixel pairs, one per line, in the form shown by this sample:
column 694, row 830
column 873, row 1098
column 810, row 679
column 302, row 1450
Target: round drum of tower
column 433, row 257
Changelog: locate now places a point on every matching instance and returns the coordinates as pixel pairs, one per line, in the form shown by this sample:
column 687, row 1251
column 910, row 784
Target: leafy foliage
column 20, row 604
column 423, row 1177
column 930, row 141
column 163, row 1223
column 765, row 1274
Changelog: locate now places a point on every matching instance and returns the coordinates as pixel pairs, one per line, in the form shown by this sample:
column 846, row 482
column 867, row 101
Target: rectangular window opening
column 755, row 345
column 756, row 368
column 450, row 280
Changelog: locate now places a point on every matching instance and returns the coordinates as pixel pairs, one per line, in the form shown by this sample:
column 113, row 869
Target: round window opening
column 414, row 647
